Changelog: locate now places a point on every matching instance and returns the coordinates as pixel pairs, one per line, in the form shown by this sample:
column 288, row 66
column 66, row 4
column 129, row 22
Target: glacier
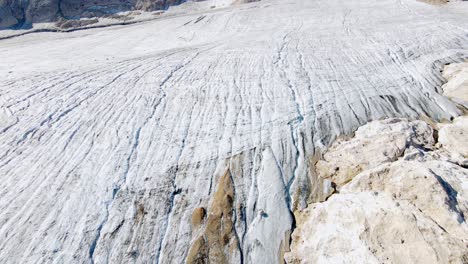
column 111, row 138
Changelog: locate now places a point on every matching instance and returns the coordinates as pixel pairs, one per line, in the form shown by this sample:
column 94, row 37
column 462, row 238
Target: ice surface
column 111, row 137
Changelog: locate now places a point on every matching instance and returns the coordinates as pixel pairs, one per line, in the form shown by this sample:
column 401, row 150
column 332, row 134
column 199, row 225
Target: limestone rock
column 411, row 210
column 436, row 188
column 457, row 82
column 454, row 136
column 373, row 144
column 375, row 227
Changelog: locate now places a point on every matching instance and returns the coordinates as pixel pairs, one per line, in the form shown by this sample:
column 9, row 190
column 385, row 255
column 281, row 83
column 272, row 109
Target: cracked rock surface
column 411, row 210
column 457, row 82
column 372, row 145
column 113, row 139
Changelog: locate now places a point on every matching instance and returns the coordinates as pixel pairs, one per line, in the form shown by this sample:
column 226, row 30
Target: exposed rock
column 456, row 87
column 353, row 227
column 198, row 253
column 17, row 13
column 436, row 188
column 7, row 18
column 198, row 216
column 454, row 136
column 218, row 243
column 410, row 210
column 372, row 145
column 75, row 23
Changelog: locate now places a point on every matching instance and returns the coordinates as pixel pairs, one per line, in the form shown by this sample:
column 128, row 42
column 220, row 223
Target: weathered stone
column 24, row 13
column 375, row 228
column 411, row 210
column 198, row 216
column 219, row 240
column 198, row 253
column 373, row 144
column 456, row 87
column 454, row 136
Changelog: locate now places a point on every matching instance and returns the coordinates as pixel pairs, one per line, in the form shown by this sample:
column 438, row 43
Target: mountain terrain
column 210, row 136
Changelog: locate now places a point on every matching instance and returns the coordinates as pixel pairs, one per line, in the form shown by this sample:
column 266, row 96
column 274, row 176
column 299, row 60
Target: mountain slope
column 22, row 14
column 137, row 143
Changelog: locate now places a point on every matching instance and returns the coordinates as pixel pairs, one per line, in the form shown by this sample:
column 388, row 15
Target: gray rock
column 23, row 13
column 411, row 210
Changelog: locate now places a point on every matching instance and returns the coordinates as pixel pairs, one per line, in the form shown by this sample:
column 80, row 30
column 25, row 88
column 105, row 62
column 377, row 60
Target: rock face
column 453, row 135
column 411, row 210
column 218, row 242
column 372, row 145
column 17, row 13
column 457, row 82
column 113, row 139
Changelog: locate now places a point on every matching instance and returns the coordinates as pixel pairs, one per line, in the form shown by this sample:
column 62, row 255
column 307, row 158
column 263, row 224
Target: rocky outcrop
column 453, row 136
column 218, row 242
column 401, row 197
column 16, row 13
column 409, row 210
column 456, row 87
column 372, row 145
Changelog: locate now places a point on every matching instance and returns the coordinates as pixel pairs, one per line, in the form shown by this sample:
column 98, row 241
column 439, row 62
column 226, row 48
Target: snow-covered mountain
column 195, row 136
